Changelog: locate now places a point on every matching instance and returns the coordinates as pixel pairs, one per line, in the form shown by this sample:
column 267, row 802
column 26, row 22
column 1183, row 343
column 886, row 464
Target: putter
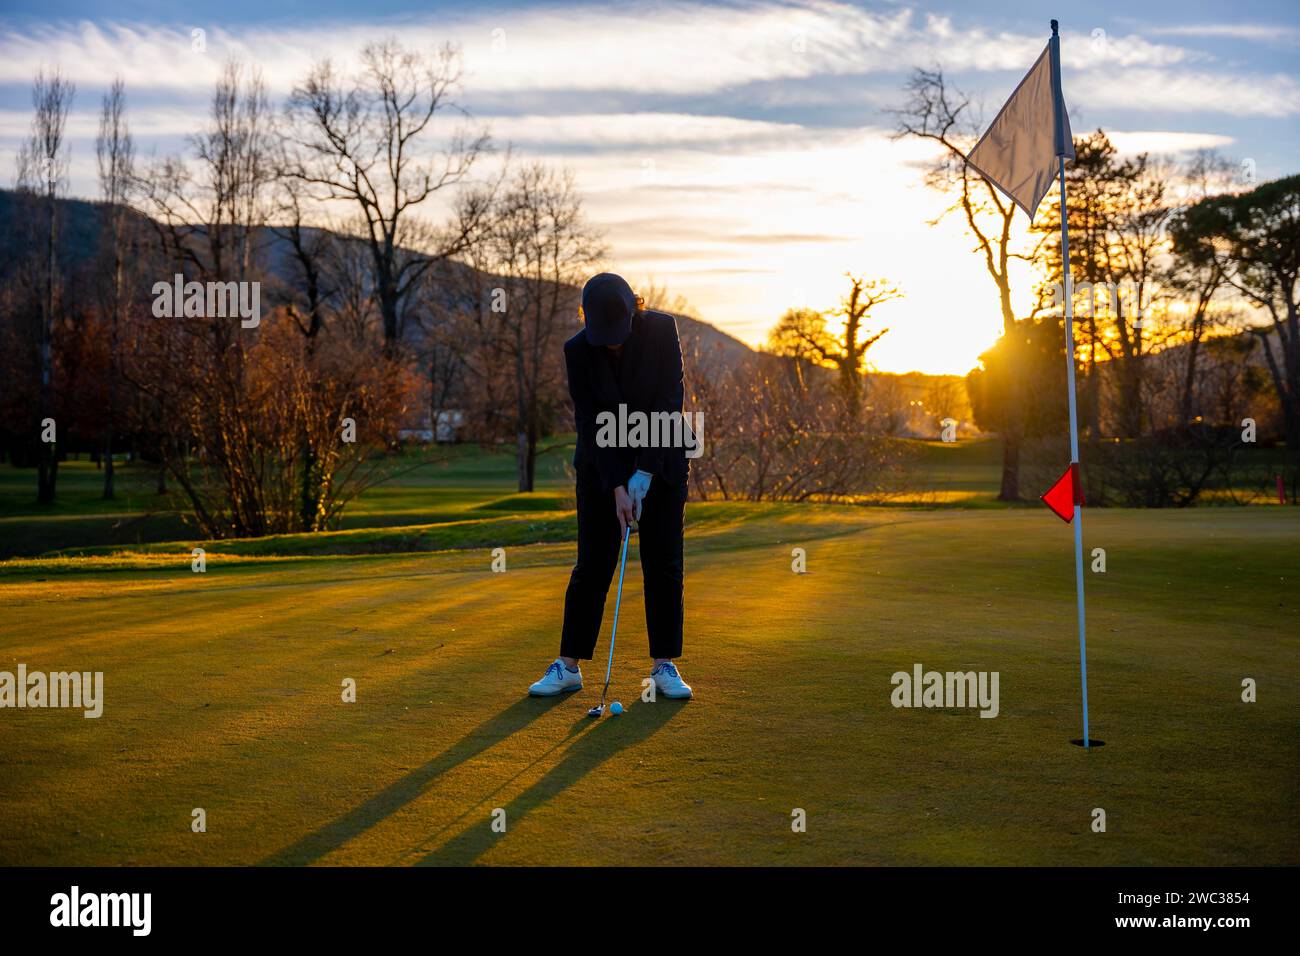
column 622, row 566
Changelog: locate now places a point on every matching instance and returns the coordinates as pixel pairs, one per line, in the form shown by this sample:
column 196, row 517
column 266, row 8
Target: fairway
column 223, row 692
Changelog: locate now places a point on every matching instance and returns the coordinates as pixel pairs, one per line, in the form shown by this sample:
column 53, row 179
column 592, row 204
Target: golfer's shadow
column 316, row 845
column 602, row 740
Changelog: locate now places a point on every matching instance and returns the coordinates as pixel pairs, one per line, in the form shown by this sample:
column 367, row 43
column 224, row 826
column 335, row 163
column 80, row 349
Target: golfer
column 624, row 355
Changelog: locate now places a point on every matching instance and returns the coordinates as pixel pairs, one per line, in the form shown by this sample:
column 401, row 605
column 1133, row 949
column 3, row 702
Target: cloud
column 1274, row 95
column 775, row 55
column 616, row 131
column 638, row 59
column 665, row 49
column 1098, row 49
column 1160, row 142
column 783, row 238
column 1255, row 32
column 146, row 57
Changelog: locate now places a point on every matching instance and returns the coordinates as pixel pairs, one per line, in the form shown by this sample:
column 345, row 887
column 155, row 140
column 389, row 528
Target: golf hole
column 1092, row 742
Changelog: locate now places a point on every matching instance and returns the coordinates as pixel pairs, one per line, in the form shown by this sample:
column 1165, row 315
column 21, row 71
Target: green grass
column 462, row 484
column 439, row 486
column 465, row 478
column 966, row 472
column 223, row 692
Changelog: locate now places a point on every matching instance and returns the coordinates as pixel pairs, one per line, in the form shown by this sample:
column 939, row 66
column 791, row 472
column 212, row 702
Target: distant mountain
column 81, row 225
column 699, row 336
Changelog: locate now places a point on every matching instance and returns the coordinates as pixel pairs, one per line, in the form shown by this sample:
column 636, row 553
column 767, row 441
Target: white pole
column 1074, row 448
column 1061, row 149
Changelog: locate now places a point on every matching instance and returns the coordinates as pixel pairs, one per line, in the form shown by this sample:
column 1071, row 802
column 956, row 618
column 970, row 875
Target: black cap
column 608, row 304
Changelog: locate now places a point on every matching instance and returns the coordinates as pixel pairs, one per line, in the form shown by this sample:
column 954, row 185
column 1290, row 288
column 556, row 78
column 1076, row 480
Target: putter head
column 596, row 711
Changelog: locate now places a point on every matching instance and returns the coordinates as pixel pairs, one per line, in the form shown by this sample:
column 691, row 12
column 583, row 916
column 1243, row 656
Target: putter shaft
column 618, row 601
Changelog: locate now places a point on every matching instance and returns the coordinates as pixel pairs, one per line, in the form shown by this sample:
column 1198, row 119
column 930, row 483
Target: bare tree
column 310, row 249
column 776, row 439
column 42, row 167
column 1139, row 242
column 347, row 272
column 1118, row 213
column 115, row 155
column 659, row 297
column 208, row 215
column 1095, row 192
column 851, row 353
column 533, row 256
column 946, row 117
column 802, row 335
column 363, row 141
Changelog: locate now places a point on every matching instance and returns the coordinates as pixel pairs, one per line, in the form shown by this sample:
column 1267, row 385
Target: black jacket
column 647, row 378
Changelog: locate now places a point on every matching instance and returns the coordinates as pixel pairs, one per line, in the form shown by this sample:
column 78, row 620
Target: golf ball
column 616, row 708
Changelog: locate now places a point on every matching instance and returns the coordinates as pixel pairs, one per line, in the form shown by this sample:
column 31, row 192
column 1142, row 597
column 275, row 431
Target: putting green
column 223, row 692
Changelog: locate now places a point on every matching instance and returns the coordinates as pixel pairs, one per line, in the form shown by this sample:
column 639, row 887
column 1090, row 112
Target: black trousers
column 663, row 512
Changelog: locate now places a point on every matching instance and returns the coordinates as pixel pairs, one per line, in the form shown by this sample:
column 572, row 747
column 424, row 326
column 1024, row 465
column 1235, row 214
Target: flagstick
column 1069, row 372
column 1074, row 449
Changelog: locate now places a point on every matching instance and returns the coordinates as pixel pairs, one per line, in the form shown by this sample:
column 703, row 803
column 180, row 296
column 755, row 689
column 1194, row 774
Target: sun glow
column 747, row 237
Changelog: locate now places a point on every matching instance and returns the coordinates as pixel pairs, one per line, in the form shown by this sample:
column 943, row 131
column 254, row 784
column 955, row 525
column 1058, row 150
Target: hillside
column 81, row 224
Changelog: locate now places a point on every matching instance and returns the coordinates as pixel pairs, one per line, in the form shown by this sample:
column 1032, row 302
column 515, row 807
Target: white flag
column 1019, row 152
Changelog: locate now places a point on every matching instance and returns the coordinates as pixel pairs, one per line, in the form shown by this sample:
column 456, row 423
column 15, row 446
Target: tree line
column 376, row 316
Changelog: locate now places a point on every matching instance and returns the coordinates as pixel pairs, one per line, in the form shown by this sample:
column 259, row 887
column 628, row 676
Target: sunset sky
column 739, row 153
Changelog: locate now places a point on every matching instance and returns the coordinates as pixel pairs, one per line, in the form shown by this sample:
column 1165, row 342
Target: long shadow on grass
column 602, row 741
column 333, row 835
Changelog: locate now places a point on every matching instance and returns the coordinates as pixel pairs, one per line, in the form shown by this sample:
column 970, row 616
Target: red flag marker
column 1065, row 494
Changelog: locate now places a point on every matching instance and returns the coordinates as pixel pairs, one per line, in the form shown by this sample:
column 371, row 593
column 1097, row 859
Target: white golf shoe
column 669, row 683
column 558, row 679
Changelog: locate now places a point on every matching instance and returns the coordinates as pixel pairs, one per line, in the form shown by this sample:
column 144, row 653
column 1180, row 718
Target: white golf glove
column 637, row 486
